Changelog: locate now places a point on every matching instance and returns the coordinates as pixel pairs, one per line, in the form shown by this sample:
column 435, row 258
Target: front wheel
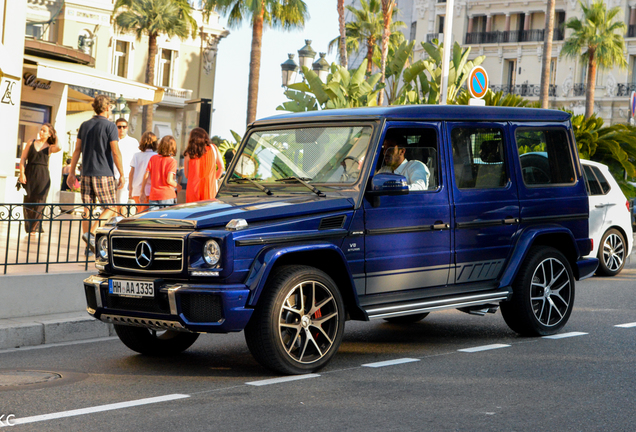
column 155, row 342
column 611, row 253
column 298, row 324
column 543, row 294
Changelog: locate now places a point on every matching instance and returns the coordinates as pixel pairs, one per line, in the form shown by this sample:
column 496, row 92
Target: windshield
column 311, row 154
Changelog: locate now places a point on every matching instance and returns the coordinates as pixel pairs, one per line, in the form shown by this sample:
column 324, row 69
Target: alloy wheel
column 613, row 252
column 550, row 292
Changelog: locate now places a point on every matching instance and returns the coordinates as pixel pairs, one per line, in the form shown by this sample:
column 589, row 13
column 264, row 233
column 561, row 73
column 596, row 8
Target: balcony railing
column 178, row 93
column 510, row 36
column 438, row 36
column 578, row 89
column 524, row 90
column 631, row 31
column 626, row 89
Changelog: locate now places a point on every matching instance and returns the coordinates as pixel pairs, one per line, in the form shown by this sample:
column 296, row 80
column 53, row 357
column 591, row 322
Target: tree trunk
column 255, row 63
column 343, row 34
column 544, row 95
column 387, row 11
column 370, row 46
column 590, row 86
column 146, row 124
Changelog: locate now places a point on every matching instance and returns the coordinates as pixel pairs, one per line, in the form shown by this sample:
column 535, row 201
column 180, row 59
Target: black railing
column 631, row 31
column 431, row 36
column 525, row 90
column 57, row 228
column 579, row 89
column 625, row 89
column 511, row 36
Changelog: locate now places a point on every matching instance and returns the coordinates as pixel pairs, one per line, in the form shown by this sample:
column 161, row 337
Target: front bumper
column 200, row 308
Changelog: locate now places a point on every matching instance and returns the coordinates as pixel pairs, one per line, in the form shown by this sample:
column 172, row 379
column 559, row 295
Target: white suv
column 610, row 220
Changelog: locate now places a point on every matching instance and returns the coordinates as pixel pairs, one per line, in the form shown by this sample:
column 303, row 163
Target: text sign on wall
column 477, row 82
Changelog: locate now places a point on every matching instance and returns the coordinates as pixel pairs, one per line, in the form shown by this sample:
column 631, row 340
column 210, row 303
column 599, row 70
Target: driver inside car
column 394, row 149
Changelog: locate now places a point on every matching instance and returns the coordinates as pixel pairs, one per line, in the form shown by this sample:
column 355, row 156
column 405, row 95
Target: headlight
column 211, row 252
column 102, row 247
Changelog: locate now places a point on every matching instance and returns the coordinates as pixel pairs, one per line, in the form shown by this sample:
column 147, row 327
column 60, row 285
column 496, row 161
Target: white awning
column 85, row 76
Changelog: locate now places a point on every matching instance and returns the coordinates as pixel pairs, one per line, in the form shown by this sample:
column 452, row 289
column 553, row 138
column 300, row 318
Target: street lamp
column 289, row 69
column 321, row 67
column 306, row 55
column 121, row 109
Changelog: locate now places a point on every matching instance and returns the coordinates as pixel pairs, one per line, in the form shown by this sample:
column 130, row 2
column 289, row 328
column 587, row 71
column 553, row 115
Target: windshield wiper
column 258, row 185
column 303, row 181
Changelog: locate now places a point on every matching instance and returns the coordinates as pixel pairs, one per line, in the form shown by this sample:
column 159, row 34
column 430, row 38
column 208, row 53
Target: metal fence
column 56, row 236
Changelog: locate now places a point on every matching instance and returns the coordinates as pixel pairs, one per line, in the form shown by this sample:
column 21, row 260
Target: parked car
column 610, row 219
column 363, row 214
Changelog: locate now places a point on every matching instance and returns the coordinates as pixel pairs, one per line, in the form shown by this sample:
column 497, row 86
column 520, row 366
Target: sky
column 233, row 60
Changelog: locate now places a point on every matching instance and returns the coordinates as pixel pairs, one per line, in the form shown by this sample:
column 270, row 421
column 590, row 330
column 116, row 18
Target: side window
column 593, row 185
column 478, row 158
column 605, row 186
column 545, row 156
column 413, row 153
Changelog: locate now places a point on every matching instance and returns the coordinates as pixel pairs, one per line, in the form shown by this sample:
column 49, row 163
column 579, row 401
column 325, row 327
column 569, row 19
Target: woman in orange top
column 161, row 170
column 202, row 166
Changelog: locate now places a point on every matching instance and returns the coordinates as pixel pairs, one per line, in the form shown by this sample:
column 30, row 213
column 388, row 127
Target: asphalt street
column 452, row 371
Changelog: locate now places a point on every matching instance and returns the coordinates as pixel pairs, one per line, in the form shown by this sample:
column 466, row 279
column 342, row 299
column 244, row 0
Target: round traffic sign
column 632, row 103
column 477, row 82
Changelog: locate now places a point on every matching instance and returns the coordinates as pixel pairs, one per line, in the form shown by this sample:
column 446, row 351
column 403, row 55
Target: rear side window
column 596, row 182
column 478, row 158
column 545, row 156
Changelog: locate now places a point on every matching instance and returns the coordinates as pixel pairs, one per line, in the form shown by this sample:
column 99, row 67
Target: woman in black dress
column 34, row 175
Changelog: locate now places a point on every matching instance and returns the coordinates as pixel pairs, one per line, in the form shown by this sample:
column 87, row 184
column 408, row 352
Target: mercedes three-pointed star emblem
column 143, row 254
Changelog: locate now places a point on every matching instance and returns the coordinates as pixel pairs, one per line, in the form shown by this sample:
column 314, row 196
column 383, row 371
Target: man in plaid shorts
column 98, row 143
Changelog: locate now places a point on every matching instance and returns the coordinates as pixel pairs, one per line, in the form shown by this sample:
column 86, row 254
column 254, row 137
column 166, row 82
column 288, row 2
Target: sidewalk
column 44, row 308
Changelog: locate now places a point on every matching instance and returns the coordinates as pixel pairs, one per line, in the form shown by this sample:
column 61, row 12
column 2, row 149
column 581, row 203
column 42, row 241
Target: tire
column 611, row 253
column 526, row 312
column 407, row 319
column 155, row 343
column 298, row 324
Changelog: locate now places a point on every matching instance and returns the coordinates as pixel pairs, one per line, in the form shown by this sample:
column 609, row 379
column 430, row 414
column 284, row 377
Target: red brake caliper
column 317, row 315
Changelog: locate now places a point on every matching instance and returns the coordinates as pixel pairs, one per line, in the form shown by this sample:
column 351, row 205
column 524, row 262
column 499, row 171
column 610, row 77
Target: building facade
column 73, row 52
column 510, row 33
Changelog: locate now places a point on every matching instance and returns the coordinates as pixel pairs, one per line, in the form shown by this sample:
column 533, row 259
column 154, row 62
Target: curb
column 49, row 329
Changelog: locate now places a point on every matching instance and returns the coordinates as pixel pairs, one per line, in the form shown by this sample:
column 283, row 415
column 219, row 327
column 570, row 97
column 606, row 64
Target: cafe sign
column 32, row 81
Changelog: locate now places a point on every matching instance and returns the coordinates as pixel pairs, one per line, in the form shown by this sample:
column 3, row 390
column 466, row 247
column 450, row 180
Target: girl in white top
column 138, row 165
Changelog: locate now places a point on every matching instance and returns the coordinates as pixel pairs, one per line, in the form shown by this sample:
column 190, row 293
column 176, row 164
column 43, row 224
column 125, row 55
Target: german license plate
column 131, row 288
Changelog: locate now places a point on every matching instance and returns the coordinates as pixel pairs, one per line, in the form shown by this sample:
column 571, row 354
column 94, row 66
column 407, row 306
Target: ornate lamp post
column 321, row 67
column 121, row 109
column 290, row 70
column 306, row 55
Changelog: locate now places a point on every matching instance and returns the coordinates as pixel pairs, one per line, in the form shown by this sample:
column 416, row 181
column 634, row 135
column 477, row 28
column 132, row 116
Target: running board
column 465, row 301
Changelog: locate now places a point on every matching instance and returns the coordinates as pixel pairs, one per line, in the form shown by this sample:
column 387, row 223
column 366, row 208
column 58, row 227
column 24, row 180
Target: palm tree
column 153, row 18
column 387, row 14
column 367, row 27
column 284, row 14
column 343, row 34
column 602, row 39
column 547, row 54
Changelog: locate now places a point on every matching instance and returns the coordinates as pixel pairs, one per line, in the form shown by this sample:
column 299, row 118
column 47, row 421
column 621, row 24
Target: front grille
column 167, row 254
column 201, row 307
column 332, row 222
column 159, row 304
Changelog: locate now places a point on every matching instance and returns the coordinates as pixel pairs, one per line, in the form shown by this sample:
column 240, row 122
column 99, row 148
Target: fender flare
column 527, row 238
column 267, row 258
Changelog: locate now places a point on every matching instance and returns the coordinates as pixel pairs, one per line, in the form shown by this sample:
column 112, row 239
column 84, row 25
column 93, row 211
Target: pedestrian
column 65, row 170
column 202, row 165
column 128, row 147
column 34, row 175
column 147, row 149
column 98, row 144
column 162, row 170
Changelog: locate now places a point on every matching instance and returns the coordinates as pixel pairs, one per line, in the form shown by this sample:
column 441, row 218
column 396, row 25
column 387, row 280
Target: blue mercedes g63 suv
column 380, row 213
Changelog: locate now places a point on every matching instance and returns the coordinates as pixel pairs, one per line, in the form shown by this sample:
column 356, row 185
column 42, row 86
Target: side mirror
column 388, row 184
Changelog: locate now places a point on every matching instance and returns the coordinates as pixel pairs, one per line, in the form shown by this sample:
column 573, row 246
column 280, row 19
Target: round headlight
column 211, row 252
column 102, row 247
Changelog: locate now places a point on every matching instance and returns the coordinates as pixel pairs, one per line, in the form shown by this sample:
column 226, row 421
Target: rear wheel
column 155, row 343
column 298, row 324
column 543, row 294
column 611, row 253
column 407, row 319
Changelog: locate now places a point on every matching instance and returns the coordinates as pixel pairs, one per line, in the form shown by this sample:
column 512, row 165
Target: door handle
column 510, row 221
column 439, row 225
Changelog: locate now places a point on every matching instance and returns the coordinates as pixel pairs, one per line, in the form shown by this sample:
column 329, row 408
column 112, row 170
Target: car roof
column 425, row 112
column 593, row 163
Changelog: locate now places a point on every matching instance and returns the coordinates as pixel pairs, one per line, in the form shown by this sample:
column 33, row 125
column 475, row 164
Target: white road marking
column 628, row 325
column 281, row 380
column 390, row 362
column 99, row 408
column 564, row 335
column 483, row 348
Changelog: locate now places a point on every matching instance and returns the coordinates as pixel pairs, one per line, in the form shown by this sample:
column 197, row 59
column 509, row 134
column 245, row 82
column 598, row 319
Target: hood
column 217, row 213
